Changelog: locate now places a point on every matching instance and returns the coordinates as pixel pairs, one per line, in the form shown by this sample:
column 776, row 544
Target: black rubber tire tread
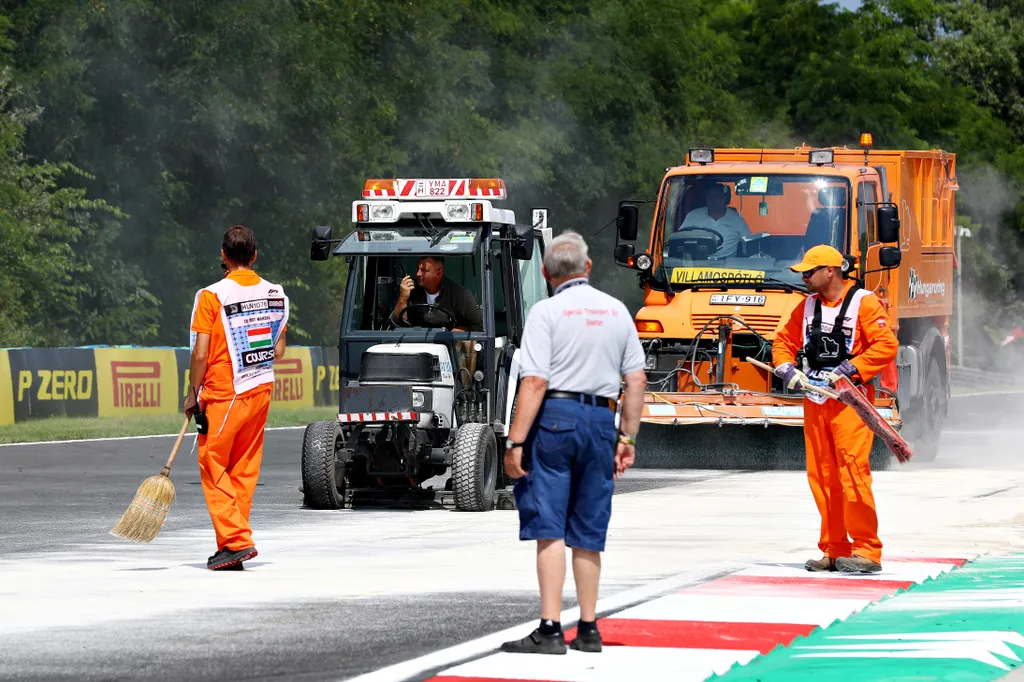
column 319, row 488
column 926, row 446
column 473, row 443
column 881, row 457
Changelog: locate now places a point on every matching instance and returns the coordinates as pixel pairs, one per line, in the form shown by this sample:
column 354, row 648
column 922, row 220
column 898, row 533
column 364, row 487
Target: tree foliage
column 185, row 117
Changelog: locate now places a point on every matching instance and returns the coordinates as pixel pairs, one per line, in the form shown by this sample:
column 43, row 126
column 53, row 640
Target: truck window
column 746, row 226
column 866, row 235
column 535, row 287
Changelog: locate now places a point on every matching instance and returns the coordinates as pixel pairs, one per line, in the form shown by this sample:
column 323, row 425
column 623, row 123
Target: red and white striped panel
column 366, row 417
column 387, row 192
column 704, row 630
column 486, row 192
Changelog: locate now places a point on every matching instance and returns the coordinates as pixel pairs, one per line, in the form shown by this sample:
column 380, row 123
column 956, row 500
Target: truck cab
column 727, row 226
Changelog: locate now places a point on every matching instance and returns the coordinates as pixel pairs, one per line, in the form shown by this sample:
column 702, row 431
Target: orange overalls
column 837, row 440
column 231, row 451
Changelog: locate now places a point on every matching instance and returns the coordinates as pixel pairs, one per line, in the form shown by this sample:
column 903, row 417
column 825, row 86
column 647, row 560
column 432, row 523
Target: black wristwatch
column 509, row 444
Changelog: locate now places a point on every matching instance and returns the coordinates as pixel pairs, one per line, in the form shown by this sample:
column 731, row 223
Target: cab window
column 535, row 287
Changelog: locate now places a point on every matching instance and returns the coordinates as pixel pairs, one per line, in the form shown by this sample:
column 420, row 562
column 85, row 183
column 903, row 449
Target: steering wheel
column 719, row 239
column 404, row 317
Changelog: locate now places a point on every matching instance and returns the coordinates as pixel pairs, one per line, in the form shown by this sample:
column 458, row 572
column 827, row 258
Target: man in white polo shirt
column 717, row 215
column 563, row 446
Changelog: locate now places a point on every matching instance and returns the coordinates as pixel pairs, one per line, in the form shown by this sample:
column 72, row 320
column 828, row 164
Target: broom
column 145, row 516
column 849, row 395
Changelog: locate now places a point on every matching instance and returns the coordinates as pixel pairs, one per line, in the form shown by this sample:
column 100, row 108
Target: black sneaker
column 230, row 559
column 536, row 643
column 587, row 641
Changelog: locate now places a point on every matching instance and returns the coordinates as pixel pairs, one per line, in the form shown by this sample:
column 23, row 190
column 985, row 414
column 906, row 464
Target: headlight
column 382, row 212
column 417, row 399
column 457, row 211
column 643, row 262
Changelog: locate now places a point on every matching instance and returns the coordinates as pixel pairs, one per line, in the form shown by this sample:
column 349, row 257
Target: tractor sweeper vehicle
column 420, row 396
column 727, row 226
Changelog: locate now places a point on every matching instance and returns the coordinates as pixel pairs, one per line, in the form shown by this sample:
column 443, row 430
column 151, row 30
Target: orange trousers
column 229, row 464
column 838, row 469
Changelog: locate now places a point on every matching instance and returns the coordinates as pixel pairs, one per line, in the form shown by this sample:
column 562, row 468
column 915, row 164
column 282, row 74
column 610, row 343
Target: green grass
column 72, row 428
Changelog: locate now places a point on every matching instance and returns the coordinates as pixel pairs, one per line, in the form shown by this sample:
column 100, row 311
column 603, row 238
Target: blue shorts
column 569, row 458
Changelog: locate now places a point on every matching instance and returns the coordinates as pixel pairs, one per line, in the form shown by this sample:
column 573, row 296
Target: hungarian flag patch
column 259, row 337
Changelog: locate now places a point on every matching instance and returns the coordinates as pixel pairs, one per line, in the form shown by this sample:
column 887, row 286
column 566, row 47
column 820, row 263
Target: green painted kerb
column 965, row 626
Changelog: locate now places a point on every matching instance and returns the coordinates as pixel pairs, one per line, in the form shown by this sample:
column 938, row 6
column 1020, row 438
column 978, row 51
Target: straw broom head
column 145, row 516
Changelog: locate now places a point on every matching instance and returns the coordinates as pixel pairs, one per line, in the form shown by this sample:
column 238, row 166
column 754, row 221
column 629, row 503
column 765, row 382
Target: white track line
column 488, row 643
column 155, row 435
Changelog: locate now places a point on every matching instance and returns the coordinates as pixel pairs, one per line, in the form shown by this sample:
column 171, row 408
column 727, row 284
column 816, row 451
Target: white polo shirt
column 581, row 340
column 732, row 227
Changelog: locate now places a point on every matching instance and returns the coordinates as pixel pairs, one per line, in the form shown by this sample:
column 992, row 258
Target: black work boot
column 587, row 641
column 821, row 565
column 857, row 564
column 230, row 559
column 537, row 643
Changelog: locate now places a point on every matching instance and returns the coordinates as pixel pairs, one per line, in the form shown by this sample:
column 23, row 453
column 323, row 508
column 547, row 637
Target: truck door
column 867, row 237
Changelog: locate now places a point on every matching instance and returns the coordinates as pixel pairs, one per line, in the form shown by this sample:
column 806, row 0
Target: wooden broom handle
column 177, row 444
column 809, row 387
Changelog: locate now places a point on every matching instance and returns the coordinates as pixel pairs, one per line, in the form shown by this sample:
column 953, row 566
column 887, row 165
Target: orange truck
column 727, row 226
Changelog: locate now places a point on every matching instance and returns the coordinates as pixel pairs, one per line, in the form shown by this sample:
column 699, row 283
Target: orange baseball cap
column 819, row 256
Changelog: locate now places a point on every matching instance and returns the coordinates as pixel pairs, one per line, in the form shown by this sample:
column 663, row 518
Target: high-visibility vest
column 252, row 318
column 829, row 351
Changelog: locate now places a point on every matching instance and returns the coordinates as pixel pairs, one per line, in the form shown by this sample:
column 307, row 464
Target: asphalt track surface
column 56, row 498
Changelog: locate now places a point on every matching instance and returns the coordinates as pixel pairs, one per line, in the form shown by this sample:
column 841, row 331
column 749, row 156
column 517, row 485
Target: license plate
column 431, row 188
column 737, row 299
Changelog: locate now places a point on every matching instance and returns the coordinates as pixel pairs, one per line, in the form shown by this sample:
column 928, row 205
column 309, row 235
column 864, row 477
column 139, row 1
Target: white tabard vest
column 828, row 320
column 252, row 317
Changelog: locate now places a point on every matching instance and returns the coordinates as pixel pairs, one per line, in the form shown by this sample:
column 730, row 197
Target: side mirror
column 320, row 246
column 522, row 247
column 626, row 222
column 889, row 256
column 623, row 253
column 888, row 224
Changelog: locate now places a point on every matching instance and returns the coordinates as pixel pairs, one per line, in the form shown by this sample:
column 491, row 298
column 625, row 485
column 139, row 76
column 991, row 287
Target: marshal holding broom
column 845, row 333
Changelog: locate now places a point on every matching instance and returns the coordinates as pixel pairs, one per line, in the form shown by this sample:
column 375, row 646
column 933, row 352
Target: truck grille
column 762, row 324
column 421, row 367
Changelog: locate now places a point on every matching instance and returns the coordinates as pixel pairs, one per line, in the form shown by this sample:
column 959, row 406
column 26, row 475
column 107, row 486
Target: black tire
column 932, row 415
column 475, row 468
column 323, row 476
column 881, row 457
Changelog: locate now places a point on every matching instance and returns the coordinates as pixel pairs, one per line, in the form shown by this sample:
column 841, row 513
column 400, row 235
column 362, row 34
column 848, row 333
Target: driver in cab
column 433, row 289
column 717, row 215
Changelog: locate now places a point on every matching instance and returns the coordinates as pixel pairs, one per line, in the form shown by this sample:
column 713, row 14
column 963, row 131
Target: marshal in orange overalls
column 231, row 451
column 837, row 440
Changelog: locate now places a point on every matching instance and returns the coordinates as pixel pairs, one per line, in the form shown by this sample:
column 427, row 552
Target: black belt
column 596, row 400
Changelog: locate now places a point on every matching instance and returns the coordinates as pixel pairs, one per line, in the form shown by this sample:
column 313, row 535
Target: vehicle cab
column 435, row 366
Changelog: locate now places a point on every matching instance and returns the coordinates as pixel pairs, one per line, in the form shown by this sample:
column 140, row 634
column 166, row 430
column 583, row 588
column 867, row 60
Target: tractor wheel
column 323, row 476
column 475, row 468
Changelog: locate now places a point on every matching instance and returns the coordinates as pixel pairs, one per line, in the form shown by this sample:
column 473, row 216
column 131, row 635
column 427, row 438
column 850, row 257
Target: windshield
column 376, row 281
column 403, row 237
column 746, row 228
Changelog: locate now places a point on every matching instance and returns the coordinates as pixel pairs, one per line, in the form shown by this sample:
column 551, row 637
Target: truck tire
column 475, row 468
column 881, row 457
column 323, row 476
column 932, row 415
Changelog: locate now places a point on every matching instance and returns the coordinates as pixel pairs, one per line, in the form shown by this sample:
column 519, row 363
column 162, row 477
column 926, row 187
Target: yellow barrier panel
column 293, row 378
column 136, row 381
column 6, row 391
